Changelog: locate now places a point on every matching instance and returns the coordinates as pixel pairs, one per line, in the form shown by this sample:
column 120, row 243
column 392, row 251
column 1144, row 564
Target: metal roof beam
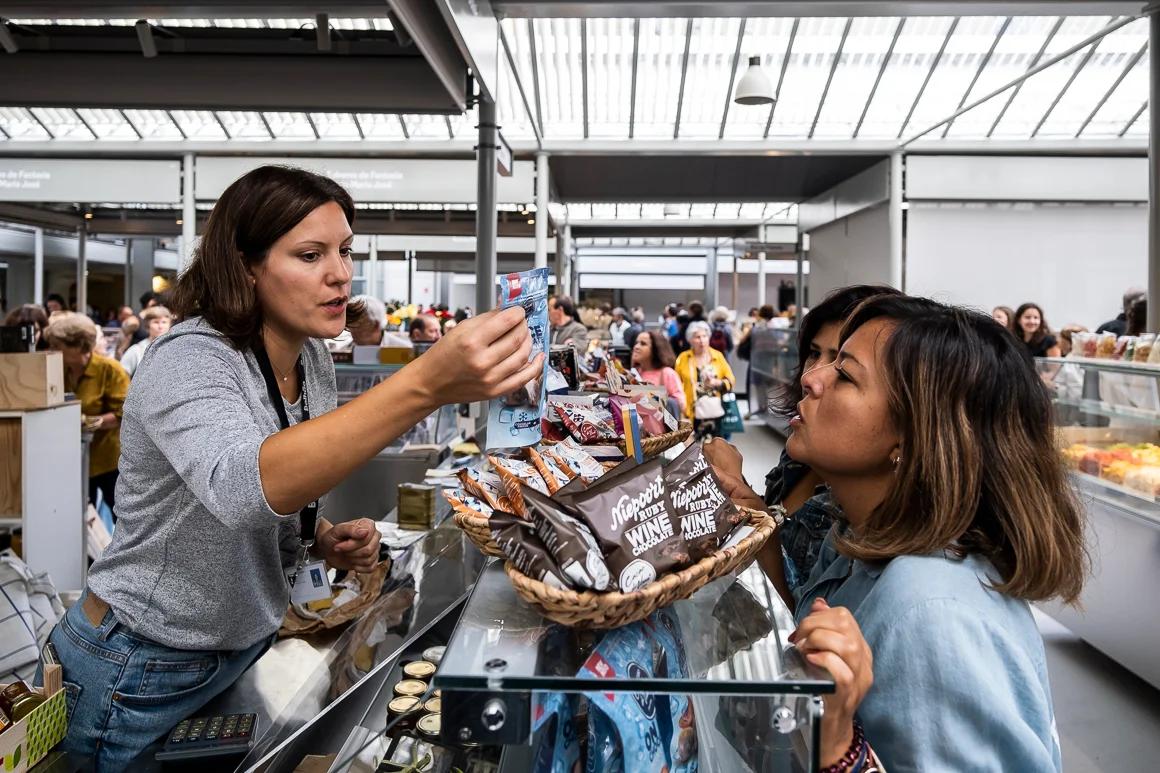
column 539, row 118
column 1087, row 57
column 732, row 79
column 1132, row 62
column 85, row 124
column 632, row 90
column 681, row 91
column 125, row 118
column 781, row 76
column 584, row 69
column 43, row 125
column 1135, row 117
column 362, row 135
column 798, row 8
column 1018, row 86
column 830, row 77
column 176, row 125
column 221, row 123
column 878, row 77
column 520, row 86
column 979, row 72
column 929, row 74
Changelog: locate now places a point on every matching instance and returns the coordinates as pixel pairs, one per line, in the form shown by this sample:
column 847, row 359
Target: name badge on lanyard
column 308, row 580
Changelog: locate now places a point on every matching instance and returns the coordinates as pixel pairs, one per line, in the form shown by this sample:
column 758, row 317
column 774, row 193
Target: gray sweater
column 198, row 556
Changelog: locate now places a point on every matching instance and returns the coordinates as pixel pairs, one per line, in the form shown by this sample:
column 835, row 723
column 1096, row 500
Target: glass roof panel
column 658, row 78
column 380, row 126
column 153, row 124
column 1039, row 91
column 609, row 77
column 809, row 66
column 19, row 124
column 867, row 44
column 917, row 46
column 289, row 126
column 513, row 118
column 711, row 60
column 964, row 52
column 199, row 124
column 558, row 65
column 335, row 126
column 769, row 39
column 1122, row 104
column 1112, row 55
column 427, row 127
column 243, row 125
column 107, row 124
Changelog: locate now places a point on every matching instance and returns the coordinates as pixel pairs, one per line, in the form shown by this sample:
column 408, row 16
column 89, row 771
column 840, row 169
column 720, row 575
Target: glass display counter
column 772, row 362
column 1108, row 418
column 748, row 701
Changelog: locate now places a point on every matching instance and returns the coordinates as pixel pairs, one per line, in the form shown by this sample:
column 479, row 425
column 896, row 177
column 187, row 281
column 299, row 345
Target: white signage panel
column 377, row 180
column 84, row 181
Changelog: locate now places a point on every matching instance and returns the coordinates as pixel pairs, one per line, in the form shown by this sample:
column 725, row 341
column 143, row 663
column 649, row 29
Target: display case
column 747, row 701
column 773, row 360
column 1107, row 414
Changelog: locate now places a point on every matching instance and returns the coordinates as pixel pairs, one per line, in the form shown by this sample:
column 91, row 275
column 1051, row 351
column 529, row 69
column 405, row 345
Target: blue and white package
column 513, row 421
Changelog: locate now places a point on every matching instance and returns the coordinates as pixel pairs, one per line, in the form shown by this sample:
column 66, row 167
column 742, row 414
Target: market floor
column 1108, row 718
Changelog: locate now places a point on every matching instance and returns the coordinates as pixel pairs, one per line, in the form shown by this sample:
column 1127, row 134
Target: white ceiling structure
column 617, row 80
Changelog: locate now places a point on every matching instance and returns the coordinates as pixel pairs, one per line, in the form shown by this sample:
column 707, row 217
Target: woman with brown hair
column 937, row 442
column 1030, row 327
column 230, row 441
column 653, row 358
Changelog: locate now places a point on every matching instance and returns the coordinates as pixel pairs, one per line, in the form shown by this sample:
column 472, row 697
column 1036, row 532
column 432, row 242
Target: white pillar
column 38, row 265
column 761, row 279
column 188, row 214
column 373, row 268
column 82, row 268
column 541, row 210
column 897, row 280
column 1154, row 173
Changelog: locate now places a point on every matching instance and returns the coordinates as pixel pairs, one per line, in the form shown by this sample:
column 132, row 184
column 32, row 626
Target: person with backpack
column 721, row 334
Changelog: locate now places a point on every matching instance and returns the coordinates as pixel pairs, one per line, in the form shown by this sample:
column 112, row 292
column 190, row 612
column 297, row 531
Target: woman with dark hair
column 937, row 443
column 30, row 313
column 1031, row 328
column 230, row 441
column 653, row 359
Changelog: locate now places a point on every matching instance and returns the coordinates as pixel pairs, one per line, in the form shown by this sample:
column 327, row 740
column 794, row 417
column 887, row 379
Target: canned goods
column 433, row 705
column 429, row 726
column 420, row 669
column 412, row 687
column 434, row 654
column 403, row 705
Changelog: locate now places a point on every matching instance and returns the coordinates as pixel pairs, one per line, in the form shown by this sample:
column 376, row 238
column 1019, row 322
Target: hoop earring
column 897, row 462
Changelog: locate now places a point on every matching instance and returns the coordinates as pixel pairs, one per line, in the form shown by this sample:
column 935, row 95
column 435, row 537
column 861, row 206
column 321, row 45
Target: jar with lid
column 17, row 701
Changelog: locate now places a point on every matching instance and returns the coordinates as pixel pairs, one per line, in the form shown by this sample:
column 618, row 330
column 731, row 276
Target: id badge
column 309, row 584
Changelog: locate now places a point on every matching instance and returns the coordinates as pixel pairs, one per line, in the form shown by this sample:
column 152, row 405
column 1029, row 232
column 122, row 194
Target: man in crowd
column 566, row 329
column 636, row 328
column 54, row 303
column 1119, row 325
column 425, row 329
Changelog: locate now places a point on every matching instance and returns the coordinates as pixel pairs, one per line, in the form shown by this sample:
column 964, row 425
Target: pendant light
column 754, row 87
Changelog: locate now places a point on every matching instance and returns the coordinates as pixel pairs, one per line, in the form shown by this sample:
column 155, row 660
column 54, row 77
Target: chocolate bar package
column 587, row 425
column 555, row 474
column 465, row 503
column 517, row 539
column 485, row 486
column 569, row 541
column 630, row 517
column 563, row 360
column 514, row 472
column 697, row 498
column 513, row 420
column 578, row 460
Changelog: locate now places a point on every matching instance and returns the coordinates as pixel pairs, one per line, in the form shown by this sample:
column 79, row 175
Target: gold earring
column 897, row 461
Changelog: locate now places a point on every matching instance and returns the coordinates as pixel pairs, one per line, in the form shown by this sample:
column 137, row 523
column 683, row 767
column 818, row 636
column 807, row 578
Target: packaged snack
column 586, row 425
column 1154, row 355
column 578, row 460
column 518, row 541
column 569, row 541
column 1144, row 347
column 553, row 473
column 485, row 486
column 1130, row 351
column 697, row 498
column 563, row 359
column 1085, row 344
column 1105, row 345
column 513, row 472
column 514, row 420
column 629, row 516
column 558, row 750
column 553, row 431
column 465, row 503
column 1121, row 346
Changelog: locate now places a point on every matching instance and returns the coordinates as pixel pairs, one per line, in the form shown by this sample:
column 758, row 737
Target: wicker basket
column 588, row 609
column 658, row 444
column 478, row 530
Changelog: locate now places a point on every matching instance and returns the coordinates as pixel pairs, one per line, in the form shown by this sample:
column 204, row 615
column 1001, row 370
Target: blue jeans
column 124, row 692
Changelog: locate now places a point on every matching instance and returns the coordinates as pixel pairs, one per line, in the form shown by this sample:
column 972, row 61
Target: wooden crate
column 10, row 468
column 31, row 380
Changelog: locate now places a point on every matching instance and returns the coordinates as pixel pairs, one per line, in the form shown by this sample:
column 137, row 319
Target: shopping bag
column 731, row 422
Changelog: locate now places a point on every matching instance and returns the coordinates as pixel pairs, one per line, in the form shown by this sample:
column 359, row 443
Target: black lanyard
column 307, row 516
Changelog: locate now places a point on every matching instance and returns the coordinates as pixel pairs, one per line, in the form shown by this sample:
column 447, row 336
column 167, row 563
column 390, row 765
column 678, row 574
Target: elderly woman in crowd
column 101, row 384
column 705, row 374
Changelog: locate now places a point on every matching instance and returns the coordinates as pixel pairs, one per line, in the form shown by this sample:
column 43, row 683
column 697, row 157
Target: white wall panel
column 1073, row 260
column 854, row 250
column 1026, row 178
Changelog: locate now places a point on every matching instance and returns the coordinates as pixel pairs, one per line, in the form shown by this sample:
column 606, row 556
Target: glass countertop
column 734, row 634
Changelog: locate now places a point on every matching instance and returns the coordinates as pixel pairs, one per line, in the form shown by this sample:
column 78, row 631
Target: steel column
column 541, row 210
column 82, row 269
column 485, row 210
column 712, row 279
column 38, row 265
column 897, row 279
column 1154, row 174
column 188, row 214
column 761, row 279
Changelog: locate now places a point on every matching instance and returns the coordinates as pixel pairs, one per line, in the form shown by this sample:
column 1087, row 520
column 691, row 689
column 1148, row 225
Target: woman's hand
column 830, row 638
column 481, row 358
column 353, row 545
column 725, row 460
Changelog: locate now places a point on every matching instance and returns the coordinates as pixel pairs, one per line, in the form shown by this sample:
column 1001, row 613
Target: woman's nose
column 816, row 380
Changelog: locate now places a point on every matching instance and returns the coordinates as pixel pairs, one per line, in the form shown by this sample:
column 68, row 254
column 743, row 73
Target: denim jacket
column 805, row 529
column 960, row 674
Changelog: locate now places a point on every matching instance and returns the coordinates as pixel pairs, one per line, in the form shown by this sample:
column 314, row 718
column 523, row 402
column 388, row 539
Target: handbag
column 732, row 422
column 705, row 407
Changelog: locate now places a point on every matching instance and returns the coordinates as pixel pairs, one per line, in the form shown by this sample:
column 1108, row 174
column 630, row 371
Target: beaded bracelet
column 855, row 756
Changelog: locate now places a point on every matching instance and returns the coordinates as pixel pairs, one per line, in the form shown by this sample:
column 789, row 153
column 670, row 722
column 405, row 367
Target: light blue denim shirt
column 960, row 674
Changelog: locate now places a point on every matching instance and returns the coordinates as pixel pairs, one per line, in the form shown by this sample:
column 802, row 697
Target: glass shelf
column 733, row 632
column 1109, row 366
column 1100, row 408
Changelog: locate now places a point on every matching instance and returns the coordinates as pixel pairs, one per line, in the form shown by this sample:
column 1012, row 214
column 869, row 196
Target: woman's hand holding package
column 831, row 638
column 725, row 460
column 481, row 358
column 353, row 545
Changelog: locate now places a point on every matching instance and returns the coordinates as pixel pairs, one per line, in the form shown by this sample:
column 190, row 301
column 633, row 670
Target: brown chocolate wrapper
column 555, row 475
column 484, row 486
column 585, row 425
column 630, row 517
column 462, row 502
column 513, row 472
column 517, row 539
column 699, row 501
column 570, row 542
